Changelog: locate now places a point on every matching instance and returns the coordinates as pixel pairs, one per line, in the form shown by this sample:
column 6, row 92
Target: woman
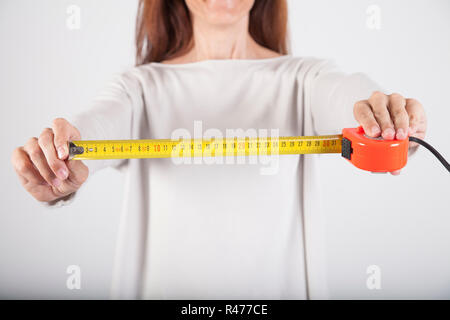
column 216, row 231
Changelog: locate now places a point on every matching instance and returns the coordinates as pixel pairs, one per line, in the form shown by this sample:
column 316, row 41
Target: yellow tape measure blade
column 166, row 148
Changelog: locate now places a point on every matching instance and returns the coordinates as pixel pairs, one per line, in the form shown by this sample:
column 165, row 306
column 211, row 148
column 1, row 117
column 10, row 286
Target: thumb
column 63, row 132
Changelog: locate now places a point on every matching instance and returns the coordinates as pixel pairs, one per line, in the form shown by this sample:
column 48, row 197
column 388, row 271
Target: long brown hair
column 164, row 28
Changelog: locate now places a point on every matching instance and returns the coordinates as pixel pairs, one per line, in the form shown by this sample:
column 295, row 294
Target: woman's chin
column 223, row 4
column 220, row 12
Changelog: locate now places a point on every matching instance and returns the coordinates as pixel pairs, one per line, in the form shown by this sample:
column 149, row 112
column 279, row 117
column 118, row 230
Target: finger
column 416, row 115
column 63, row 133
column 25, row 169
column 379, row 102
column 364, row 115
column 399, row 115
column 78, row 172
column 417, row 134
column 58, row 166
column 395, row 173
column 38, row 159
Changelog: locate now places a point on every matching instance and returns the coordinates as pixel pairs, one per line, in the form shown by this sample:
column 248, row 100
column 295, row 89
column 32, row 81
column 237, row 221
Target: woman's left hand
column 391, row 116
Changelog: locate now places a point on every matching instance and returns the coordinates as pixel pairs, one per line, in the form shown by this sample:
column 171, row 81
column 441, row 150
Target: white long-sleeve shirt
column 243, row 230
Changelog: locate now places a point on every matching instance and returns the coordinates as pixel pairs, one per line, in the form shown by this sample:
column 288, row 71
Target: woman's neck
column 223, row 42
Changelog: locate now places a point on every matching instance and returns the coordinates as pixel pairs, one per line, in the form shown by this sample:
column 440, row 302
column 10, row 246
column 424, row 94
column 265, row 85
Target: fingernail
column 63, row 173
column 375, row 130
column 56, row 182
column 61, row 152
column 401, row 134
column 389, row 133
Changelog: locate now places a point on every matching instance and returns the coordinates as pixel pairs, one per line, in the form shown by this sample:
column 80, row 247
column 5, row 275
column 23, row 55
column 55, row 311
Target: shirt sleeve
column 333, row 96
column 109, row 117
column 334, row 93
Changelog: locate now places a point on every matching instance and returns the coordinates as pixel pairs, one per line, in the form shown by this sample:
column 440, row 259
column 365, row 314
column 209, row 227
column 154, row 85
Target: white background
column 401, row 224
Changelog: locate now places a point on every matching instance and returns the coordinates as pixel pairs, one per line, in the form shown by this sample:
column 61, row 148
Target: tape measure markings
column 166, row 148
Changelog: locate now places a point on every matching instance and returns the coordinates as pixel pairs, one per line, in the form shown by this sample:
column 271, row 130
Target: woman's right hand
column 42, row 164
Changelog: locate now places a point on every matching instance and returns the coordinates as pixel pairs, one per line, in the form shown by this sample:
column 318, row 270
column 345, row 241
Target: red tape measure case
column 373, row 154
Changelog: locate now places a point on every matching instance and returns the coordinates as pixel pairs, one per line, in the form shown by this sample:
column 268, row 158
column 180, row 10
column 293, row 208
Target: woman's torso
column 230, row 230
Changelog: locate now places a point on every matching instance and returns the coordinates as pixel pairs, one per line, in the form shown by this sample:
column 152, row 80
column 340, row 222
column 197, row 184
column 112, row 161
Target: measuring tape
column 366, row 153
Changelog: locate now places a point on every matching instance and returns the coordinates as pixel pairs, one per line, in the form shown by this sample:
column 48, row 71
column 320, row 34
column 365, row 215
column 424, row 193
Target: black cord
column 433, row 151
